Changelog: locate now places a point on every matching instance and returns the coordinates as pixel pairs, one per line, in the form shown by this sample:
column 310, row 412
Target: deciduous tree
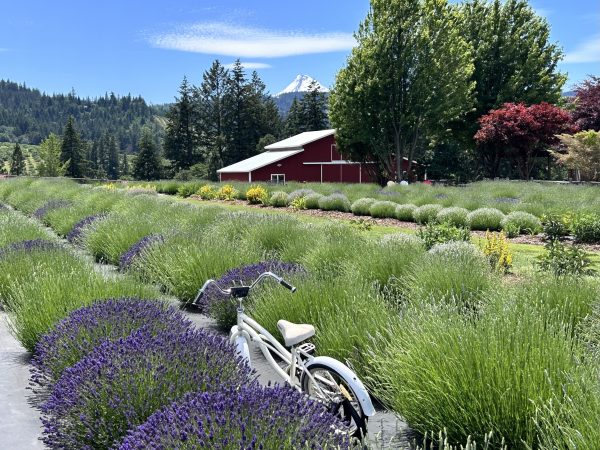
column 580, row 152
column 522, row 132
column 587, row 101
column 407, row 78
column 50, row 165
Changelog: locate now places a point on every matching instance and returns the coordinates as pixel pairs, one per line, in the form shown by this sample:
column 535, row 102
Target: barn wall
column 238, row 176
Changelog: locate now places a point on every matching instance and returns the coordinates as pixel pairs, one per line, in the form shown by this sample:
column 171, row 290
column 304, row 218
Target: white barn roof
column 258, row 161
column 300, row 140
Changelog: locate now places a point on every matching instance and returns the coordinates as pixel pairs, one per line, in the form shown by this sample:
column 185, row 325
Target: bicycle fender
column 241, row 343
column 350, row 377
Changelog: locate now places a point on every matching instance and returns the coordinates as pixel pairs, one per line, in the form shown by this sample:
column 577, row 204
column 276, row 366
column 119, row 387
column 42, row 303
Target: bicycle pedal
column 307, row 347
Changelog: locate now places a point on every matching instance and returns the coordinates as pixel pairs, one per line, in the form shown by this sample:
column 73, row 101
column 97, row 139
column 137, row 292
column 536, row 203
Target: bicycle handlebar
column 231, row 290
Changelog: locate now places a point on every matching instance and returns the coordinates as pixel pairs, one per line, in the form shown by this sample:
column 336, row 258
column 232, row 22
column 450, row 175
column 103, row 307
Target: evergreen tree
column 210, row 98
column 239, row 123
column 147, row 164
column 50, row 166
column 17, row 161
column 93, row 158
column 181, row 145
column 294, row 122
column 125, row 165
column 71, row 153
column 112, row 159
column 314, row 109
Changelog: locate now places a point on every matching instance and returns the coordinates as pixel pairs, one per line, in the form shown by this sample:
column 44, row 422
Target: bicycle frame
column 252, row 331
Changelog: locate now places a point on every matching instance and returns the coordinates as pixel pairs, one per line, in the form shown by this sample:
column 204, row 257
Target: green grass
column 16, row 228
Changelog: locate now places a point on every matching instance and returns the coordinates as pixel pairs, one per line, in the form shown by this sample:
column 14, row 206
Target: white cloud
column 218, row 38
column 587, row 52
column 250, row 65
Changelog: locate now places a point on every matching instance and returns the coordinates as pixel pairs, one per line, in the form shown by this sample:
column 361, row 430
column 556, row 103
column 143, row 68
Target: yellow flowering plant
column 227, row 192
column 495, row 248
column 207, row 192
column 257, row 195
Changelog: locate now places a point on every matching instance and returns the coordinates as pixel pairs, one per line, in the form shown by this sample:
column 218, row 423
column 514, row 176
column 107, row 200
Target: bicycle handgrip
column 287, row 285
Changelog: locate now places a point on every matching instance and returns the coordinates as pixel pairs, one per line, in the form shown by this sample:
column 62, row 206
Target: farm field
column 439, row 335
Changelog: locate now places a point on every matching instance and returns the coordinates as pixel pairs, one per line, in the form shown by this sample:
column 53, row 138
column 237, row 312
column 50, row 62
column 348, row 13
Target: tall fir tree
column 239, row 122
column 210, row 98
column 93, row 165
column 147, row 164
column 112, row 159
column 125, row 165
column 71, row 152
column 314, row 109
column 294, row 122
column 17, row 161
column 181, row 144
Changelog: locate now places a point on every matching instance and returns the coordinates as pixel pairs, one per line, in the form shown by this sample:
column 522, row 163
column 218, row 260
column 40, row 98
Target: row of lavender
column 134, row 373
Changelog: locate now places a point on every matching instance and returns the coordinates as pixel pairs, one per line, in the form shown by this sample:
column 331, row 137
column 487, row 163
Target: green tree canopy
column 71, row 152
column 409, row 76
column 17, row 161
column 51, row 166
column 181, row 142
column 314, row 109
column 147, row 164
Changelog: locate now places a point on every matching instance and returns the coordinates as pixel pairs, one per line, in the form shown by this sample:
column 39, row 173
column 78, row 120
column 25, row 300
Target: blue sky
column 145, row 47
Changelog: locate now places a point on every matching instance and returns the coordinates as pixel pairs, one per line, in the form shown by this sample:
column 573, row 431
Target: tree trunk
column 399, row 155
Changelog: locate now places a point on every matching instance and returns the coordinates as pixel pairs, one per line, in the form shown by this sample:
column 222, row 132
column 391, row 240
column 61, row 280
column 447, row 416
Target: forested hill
column 28, row 116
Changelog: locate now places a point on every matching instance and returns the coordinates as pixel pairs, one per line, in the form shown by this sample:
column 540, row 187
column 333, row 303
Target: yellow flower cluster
column 495, row 247
column 109, row 186
column 207, row 192
column 146, row 187
column 227, row 192
column 257, row 195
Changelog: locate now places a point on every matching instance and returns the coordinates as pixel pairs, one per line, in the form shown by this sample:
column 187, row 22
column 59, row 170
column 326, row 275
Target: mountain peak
column 300, row 84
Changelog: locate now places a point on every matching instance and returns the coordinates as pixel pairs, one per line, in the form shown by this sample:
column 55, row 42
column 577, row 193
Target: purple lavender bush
column 121, row 383
column 74, row 236
column 49, row 206
column 29, row 246
column 219, row 306
column 137, row 249
column 86, row 328
column 253, row 417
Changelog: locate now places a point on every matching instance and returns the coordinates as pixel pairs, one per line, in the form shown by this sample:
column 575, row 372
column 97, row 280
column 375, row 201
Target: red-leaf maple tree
column 522, row 132
column 587, row 109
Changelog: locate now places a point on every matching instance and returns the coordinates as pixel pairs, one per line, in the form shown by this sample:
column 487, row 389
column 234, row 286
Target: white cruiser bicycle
column 324, row 379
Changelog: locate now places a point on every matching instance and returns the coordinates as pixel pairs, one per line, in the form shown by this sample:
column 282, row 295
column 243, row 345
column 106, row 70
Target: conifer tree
column 294, row 122
column 314, row 109
column 239, row 122
column 181, row 144
column 17, row 161
column 72, row 152
column 112, row 159
column 147, row 164
column 125, row 165
column 93, row 159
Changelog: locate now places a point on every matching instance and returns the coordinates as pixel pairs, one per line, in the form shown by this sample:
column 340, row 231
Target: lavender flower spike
column 80, row 227
column 49, row 206
column 137, row 249
column 29, row 246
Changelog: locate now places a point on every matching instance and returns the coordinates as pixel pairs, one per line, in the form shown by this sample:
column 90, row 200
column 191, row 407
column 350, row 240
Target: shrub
column 362, row 206
column 586, row 228
column 85, row 328
column 279, row 199
column 137, row 249
column 298, row 203
column 207, row 192
column 383, row 209
column 76, row 233
column 312, row 201
column 334, row 202
column 406, row 212
column 49, row 206
column 455, row 273
column 495, row 248
column 485, row 219
column 227, row 192
column 556, row 226
column 521, row 222
column 434, row 233
column 561, row 259
column 221, row 307
column 120, row 384
column 298, row 193
column 454, row 216
column 29, row 246
column 426, row 213
column 188, row 189
column 257, row 195
column 590, row 326
column 256, row 417
column 509, row 358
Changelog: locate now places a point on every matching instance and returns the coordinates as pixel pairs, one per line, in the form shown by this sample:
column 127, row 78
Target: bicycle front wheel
column 327, row 386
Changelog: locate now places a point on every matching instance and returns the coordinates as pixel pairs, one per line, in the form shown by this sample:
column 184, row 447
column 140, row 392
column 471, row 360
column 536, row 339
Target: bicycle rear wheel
column 328, row 387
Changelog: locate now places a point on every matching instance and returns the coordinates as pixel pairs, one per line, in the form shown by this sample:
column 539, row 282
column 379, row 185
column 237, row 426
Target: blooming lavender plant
column 254, row 417
column 137, row 249
column 218, row 306
column 49, row 206
column 121, row 383
column 29, row 246
column 84, row 329
column 80, row 227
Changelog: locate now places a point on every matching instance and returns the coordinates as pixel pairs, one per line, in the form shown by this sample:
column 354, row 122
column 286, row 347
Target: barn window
column 277, row 178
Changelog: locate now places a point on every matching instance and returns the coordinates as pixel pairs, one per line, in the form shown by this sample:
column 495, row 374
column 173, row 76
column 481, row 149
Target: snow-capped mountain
column 300, row 84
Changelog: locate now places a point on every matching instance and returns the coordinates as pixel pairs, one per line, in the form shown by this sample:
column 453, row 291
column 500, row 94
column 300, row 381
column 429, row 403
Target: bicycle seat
column 294, row 333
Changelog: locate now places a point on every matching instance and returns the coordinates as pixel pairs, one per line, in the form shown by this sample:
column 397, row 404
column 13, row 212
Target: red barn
column 309, row 156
